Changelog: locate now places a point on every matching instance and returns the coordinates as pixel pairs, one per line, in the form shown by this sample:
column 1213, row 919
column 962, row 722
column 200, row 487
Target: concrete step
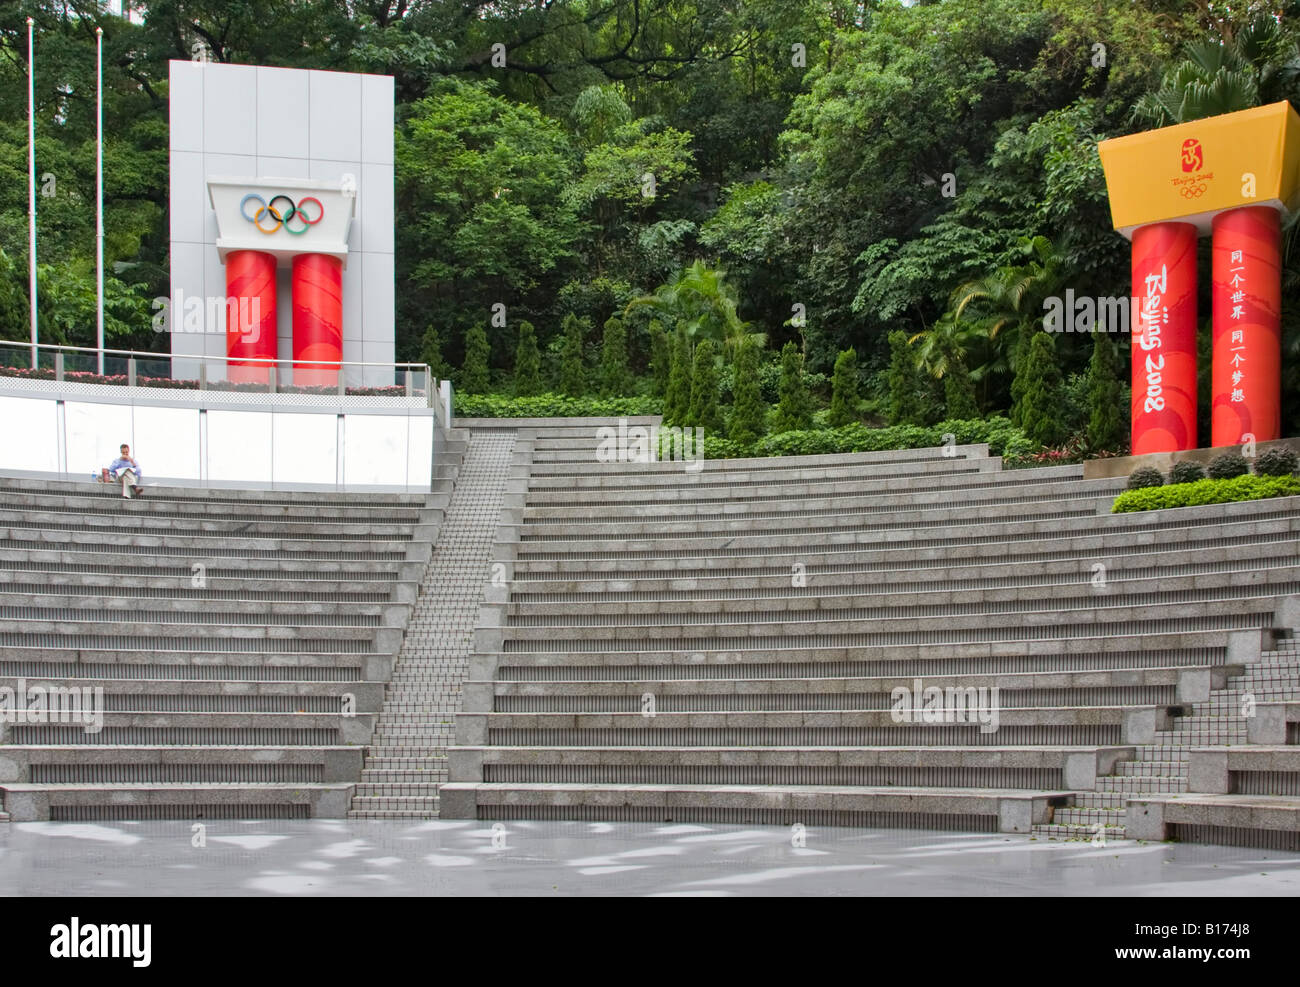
column 1081, row 834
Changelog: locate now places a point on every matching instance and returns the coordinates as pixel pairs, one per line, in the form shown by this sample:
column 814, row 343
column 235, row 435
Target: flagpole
column 31, row 184
column 99, row 196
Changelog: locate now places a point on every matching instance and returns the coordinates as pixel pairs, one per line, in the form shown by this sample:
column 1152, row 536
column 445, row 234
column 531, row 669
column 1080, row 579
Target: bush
column 1145, row 476
column 1106, row 420
column 474, row 371
column 1186, row 472
column 844, row 388
column 615, row 380
column 1206, row 492
column 703, row 411
column 1001, row 436
column 905, row 404
column 660, row 360
column 528, row 362
column 794, row 405
column 573, row 373
column 431, row 353
column 748, row 415
column 1040, row 400
column 959, row 390
column 1226, row 466
column 1276, row 462
column 677, row 401
column 550, row 406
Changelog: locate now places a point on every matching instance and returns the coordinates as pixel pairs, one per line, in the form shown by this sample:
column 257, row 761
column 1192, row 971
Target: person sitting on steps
column 131, row 472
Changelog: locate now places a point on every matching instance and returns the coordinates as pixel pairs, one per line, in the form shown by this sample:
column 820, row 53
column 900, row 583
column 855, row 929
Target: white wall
column 279, row 448
column 237, row 120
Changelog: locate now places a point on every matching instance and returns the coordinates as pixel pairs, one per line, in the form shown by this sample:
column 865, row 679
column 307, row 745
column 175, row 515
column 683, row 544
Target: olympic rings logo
column 283, row 210
column 1192, row 191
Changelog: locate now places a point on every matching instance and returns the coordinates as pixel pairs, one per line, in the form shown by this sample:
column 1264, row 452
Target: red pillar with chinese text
column 317, row 318
column 250, row 315
column 1247, row 306
column 1164, row 338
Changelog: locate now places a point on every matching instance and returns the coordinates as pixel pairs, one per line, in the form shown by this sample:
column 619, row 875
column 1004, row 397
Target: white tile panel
column 375, row 450
column 32, row 435
column 377, row 119
column 419, row 453
column 304, row 448
column 166, row 442
column 229, row 109
column 239, row 446
column 188, row 195
column 375, row 208
column 95, row 431
column 273, row 167
column 335, row 116
column 377, row 298
column 282, row 118
column 185, row 105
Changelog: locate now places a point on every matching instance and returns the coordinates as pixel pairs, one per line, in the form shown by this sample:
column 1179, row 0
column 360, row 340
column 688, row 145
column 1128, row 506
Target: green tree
column 794, row 404
column 474, row 371
column 906, row 404
column 1040, row 403
column 661, row 363
column 748, row 412
column 1105, row 416
column 614, row 378
column 844, row 388
column 431, row 353
column 704, row 389
column 528, row 362
column 573, row 372
column 700, row 300
column 959, row 390
column 1258, row 64
column 479, row 184
column 677, row 399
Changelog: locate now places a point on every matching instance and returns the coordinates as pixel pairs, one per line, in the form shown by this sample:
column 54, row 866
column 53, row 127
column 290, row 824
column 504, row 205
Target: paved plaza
column 448, row 857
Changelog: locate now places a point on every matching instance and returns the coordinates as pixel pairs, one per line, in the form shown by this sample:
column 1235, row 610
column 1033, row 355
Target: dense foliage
column 633, row 178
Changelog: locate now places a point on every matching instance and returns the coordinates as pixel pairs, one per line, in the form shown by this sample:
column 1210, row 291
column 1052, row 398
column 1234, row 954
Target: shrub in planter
column 1186, row 472
column 1276, row 462
column 1226, row 466
column 1206, row 492
column 1145, row 476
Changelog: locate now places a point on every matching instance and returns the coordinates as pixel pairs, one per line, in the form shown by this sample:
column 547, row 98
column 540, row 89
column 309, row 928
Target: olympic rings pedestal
column 302, row 224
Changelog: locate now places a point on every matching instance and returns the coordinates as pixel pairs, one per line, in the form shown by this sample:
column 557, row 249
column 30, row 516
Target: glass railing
column 126, row 368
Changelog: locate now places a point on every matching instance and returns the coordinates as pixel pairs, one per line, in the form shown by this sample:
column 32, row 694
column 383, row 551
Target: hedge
column 1206, row 492
column 1002, row 437
column 551, row 406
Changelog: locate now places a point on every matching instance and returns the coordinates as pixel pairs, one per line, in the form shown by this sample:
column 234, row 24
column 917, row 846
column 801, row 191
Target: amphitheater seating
column 724, row 645
column 242, row 640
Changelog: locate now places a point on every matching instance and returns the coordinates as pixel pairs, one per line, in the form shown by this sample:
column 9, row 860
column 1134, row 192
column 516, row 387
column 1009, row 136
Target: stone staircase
column 406, row 760
column 1162, row 768
column 724, row 644
column 239, row 639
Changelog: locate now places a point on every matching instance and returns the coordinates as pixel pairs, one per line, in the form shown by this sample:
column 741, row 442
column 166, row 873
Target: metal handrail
column 142, row 354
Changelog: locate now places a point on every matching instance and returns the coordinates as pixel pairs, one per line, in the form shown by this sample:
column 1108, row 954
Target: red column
column 1247, row 299
column 317, row 317
column 250, row 314
column 1164, row 338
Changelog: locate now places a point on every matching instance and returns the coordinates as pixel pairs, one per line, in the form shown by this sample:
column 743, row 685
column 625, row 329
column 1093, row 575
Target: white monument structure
column 282, row 199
